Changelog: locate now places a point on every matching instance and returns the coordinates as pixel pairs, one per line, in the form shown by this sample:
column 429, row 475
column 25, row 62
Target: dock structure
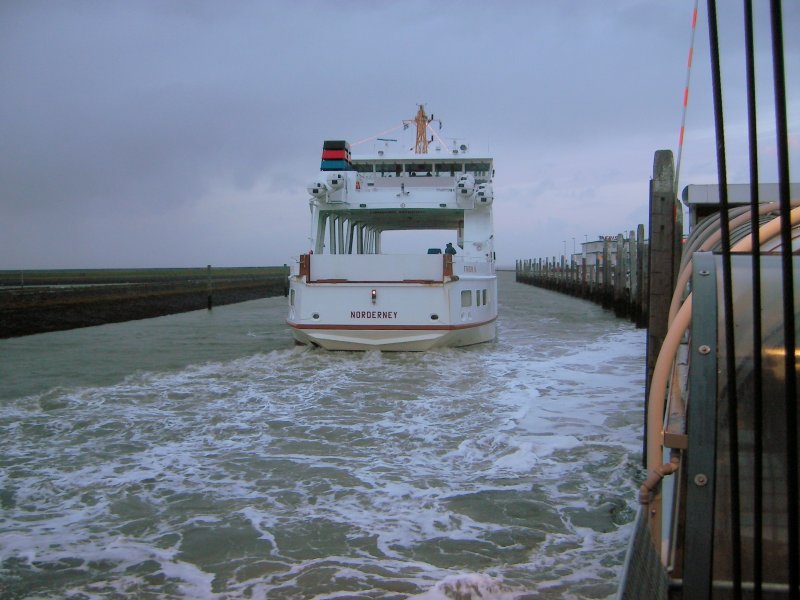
column 610, row 271
column 720, row 505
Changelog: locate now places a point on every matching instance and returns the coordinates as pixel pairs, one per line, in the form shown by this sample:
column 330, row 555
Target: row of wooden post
column 615, row 278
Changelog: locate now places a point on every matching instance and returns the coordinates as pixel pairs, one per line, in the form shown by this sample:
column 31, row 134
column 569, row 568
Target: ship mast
column 421, row 121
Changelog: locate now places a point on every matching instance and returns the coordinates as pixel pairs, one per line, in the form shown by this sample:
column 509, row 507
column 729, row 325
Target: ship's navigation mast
column 421, row 121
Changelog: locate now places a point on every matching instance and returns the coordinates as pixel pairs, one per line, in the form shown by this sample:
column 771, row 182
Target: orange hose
column 710, row 242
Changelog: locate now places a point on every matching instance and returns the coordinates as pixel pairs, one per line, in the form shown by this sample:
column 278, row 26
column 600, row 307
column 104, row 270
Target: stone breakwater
column 30, row 310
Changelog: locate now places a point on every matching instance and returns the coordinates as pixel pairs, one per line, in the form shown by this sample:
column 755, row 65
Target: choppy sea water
column 203, row 455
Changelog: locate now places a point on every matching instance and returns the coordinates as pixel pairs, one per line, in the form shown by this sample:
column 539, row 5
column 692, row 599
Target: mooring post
column 619, row 270
column 598, row 264
column 607, row 289
column 208, row 285
column 584, row 291
column 571, row 275
column 666, row 223
column 547, row 272
column 641, row 270
column 633, row 281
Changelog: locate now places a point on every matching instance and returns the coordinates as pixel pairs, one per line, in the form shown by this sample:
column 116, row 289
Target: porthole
column 315, row 316
column 434, row 317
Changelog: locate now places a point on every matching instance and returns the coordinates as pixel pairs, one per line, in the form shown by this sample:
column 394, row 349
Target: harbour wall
column 42, row 301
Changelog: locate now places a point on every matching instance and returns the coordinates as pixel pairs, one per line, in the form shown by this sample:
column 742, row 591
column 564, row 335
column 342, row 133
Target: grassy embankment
column 41, row 301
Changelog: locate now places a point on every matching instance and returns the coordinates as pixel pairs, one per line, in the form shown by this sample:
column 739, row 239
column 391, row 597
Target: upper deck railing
column 390, row 268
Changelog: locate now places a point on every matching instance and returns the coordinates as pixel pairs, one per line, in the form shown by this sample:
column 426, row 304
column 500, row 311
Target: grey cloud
column 113, row 109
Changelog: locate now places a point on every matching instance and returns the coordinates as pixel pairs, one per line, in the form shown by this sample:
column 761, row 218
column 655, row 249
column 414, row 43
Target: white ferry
column 346, row 294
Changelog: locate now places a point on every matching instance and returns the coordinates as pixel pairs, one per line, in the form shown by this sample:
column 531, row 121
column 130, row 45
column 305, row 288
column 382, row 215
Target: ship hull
column 392, row 303
column 394, row 339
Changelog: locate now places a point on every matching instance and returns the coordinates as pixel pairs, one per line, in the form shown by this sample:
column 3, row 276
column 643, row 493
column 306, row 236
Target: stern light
column 318, row 189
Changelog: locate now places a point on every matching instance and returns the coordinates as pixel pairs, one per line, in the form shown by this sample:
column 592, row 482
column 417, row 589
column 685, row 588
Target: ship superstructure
column 347, row 294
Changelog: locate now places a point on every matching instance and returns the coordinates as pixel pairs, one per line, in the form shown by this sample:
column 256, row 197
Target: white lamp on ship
column 465, row 186
column 318, row 190
column 485, row 193
column 336, row 180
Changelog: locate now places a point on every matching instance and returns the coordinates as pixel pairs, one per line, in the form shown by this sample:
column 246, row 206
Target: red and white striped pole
column 685, row 98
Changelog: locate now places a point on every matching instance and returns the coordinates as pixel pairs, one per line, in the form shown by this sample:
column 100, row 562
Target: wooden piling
column 208, row 286
column 666, row 234
column 642, row 261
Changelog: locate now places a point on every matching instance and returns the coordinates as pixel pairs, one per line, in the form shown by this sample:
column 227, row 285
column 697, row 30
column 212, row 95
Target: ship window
column 482, row 168
column 291, row 297
column 364, row 168
column 389, row 168
column 420, row 170
column 447, row 169
column 484, row 297
column 466, row 298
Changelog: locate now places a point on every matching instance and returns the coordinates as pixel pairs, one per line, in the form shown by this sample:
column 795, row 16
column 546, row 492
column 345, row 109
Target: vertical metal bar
column 701, row 458
column 758, row 425
column 790, row 375
column 727, row 297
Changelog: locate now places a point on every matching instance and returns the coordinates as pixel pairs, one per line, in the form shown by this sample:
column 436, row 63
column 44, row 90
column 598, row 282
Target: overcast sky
column 173, row 133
